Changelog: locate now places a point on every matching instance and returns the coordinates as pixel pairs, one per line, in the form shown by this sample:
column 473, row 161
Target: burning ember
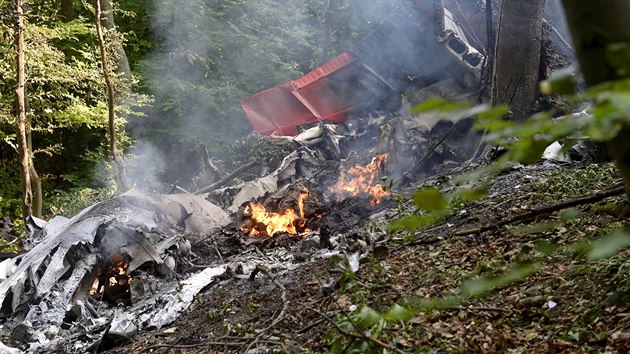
column 268, row 223
column 361, row 180
column 113, row 280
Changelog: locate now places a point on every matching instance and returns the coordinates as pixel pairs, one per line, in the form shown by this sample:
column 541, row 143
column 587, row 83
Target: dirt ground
column 570, row 304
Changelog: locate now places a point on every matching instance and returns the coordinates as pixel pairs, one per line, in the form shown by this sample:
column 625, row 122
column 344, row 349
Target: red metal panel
column 328, row 68
column 276, row 111
column 282, row 109
column 334, row 94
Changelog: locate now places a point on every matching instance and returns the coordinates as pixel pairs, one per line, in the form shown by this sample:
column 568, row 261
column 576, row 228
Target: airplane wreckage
column 136, row 261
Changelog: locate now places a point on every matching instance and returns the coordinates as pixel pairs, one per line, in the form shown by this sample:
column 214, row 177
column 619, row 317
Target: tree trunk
column 325, row 25
column 594, row 26
column 517, row 55
column 111, row 99
column 122, row 63
column 67, row 10
column 22, row 123
column 36, row 181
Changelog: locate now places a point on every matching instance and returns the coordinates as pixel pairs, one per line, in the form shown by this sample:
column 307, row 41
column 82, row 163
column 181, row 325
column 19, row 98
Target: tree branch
column 358, row 336
column 226, row 179
column 545, row 210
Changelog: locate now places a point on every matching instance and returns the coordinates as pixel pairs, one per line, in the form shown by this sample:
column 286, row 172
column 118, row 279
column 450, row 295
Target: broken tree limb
column 175, row 187
column 209, row 163
column 481, row 309
column 409, row 174
column 261, row 268
column 283, row 297
column 545, row 210
column 226, row 179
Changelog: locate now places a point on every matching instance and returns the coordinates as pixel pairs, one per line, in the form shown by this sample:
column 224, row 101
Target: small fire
column 114, row 276
column 361, row 180
column 268, row 223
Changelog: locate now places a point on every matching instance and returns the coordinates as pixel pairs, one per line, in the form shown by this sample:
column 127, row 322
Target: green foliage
column 609, row 245
column 66, row 101
column 563, row 181
column 430, row 200
column 71, row 201
column 432, row 206
column 57, row 83
column 480, row 286
column 211, row 54
column 10, row 189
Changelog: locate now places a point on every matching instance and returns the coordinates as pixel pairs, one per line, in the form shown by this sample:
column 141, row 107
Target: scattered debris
column 137, row 261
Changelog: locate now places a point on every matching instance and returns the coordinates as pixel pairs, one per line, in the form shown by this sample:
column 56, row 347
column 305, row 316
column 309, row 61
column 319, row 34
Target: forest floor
column 570, row 304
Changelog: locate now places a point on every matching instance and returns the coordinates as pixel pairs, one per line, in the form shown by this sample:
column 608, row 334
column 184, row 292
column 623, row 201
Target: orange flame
column 361, row 180
column 287, row 221
column 115, row 274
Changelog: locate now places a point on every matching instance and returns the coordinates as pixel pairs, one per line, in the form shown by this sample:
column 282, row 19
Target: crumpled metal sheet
column 134, row 224
column 202, row 216
column 258, row 187
column 52, row 250
column 181, row 299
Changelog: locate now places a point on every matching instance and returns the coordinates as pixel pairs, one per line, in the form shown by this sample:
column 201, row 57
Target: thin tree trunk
column 67, row 10
column 36, row 181
column 122, row 63
column 111, row 99
column 594, row 26
column 490, row 34
column 325, row 26
column 517, row 55
column 22, row 123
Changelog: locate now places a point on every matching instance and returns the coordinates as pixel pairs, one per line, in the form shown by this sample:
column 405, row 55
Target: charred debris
column 136, row 261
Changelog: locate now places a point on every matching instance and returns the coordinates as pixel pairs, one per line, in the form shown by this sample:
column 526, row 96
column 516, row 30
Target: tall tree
column 111, row 101
column 595, row 26
column 22, row 122
column 517, row 55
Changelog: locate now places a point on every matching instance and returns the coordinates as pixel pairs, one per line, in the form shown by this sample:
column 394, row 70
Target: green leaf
column 560, row 82
column 471, row 193
column 609, row 245
column 493, row 114
column 411, row 222
column 399, row 313
column 337, row 347
column 430, row 199
column 480, row 286
column 545, row 247
column 570, row 214
column 618, row 56
column 438, row 105
column 367, row 318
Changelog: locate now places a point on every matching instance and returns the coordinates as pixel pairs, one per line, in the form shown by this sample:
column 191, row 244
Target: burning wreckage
column 137, row 261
